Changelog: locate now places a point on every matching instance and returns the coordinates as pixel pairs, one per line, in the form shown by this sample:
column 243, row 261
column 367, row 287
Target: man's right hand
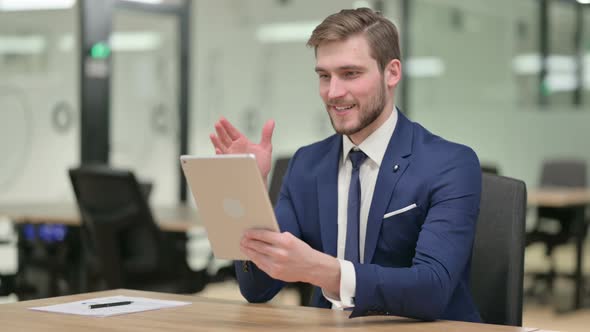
column 229, row 140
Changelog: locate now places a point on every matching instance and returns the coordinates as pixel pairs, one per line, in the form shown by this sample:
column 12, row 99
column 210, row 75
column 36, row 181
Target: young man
column 380, row 217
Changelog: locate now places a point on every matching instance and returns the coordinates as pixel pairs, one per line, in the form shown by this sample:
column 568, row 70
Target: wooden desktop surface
column 217, row 315
column 559, row 197
column 178, row 218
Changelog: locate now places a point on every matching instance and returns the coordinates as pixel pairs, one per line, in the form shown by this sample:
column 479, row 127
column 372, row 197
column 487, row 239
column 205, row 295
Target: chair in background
column 555, row 226
column 490, row 168
column 8, row 270
column 279, row 169
column 146, row 188
column 123, row 246
column 497, row 266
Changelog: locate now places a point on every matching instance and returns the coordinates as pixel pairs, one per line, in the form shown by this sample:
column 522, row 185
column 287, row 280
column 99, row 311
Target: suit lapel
column 327, row 188
column 392, row 168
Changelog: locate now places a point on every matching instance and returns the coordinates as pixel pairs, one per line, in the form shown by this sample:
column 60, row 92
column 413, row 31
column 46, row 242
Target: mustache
column 340, row 102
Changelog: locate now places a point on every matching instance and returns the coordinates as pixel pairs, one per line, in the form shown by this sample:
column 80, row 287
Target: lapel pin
column 395, row 168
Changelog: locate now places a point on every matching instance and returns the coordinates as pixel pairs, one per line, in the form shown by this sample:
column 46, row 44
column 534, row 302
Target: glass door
column 144, row 133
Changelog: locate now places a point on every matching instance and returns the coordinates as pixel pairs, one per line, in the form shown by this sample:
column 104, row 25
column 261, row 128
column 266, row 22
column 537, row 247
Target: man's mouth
column 342, row 108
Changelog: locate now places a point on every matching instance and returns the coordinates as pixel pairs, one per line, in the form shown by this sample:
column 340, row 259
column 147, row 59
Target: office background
column 472, row 76
column 510, row 78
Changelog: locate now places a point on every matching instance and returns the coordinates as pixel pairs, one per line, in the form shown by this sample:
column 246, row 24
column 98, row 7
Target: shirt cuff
column 347, row 287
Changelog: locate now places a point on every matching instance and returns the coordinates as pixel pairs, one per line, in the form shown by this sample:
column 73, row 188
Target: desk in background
column 578, row 198
column 219, row 315
column 178, row 218
column 559, row 197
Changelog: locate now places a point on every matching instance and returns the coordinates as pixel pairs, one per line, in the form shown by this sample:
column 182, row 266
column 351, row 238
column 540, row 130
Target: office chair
column 556, row 173
column 497, row 265
column 123, row 246
column 490, row 168
column 8, row 239
column 279, row 169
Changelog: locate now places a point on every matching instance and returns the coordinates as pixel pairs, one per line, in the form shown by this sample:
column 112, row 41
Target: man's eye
column 350, row 74
column 324, row 76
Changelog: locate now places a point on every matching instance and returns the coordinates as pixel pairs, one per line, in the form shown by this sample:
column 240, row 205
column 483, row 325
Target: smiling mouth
column 343, row 108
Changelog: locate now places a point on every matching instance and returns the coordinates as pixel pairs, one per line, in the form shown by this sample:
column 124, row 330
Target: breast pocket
column 400, row 211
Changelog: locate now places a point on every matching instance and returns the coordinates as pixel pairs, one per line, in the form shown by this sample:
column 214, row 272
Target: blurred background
column 135, row 84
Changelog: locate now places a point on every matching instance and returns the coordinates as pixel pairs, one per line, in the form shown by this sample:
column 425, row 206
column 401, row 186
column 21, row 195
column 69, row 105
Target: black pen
column 112, row 304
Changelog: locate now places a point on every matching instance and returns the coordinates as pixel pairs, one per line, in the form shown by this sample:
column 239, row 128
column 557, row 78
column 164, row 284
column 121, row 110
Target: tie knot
column 357, row 157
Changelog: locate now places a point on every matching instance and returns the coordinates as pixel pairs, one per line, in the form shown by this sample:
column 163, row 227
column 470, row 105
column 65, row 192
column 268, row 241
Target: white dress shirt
column 374, row 147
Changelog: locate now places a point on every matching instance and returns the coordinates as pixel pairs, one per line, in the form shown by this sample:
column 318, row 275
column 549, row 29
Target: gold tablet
column 230, row 197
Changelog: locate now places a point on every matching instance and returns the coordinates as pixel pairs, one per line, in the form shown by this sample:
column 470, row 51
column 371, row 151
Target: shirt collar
column 374, row 145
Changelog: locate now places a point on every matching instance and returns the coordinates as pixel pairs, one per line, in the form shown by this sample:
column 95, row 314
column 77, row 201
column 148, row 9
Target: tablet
column 230, row 197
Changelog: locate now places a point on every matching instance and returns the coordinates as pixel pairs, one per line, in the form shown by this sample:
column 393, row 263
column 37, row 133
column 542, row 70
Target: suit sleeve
column 255, row 285
column 443, row 249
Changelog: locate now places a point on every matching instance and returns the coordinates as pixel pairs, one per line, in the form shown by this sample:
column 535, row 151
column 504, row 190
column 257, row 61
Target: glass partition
column 561, row 80
column 251, row 64
column 478, row 81
column 586, row 53
column 39, row 107
column 463, row 54
column 144, row 103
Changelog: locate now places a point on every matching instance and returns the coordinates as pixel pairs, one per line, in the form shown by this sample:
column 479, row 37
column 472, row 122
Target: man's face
column 351, row 84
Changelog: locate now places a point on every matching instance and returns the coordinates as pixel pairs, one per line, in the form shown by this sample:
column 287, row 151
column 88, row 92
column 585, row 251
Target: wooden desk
column 559, row 197
column 579, row 199
column 218, row 315
column 178, row 218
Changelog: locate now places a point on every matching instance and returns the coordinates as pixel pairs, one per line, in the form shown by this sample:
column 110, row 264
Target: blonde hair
column 382, row 35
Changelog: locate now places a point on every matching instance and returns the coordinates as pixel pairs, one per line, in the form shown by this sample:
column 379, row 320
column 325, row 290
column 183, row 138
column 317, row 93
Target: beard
column 367, row 113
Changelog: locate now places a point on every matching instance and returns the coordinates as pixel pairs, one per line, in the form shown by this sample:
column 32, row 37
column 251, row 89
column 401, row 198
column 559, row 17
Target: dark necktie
column 351, row 252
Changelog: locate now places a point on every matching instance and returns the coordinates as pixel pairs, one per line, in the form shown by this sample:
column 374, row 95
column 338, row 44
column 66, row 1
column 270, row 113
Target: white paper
column 83, row 307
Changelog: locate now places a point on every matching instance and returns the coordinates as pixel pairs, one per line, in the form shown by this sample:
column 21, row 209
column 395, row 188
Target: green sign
column 100, row 51
column 545, row 89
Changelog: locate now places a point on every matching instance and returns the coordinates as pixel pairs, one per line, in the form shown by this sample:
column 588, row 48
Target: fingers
column 267, row 131
column 266, row 256
column 258, row 247
column 223, row 140
column 222, row 135
column 275, row 246
column 263, row 262
column 219, row 148
column 231, row 131
column 259, row 252
column 266, row 236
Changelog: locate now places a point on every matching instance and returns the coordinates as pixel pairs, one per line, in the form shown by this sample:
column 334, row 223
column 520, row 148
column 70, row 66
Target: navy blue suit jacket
column 417, row 263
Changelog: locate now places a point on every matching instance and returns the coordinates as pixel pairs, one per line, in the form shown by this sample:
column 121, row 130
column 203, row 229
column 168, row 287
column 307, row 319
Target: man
column 404, row 246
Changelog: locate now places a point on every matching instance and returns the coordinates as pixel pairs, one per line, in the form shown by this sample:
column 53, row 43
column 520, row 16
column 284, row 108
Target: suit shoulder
column 432, row 145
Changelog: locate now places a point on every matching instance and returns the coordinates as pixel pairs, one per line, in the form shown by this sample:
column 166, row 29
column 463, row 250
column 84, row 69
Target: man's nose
column 336, row 89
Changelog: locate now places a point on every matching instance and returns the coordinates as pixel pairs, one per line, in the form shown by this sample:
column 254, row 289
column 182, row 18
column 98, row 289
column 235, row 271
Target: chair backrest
column 490, row 168
column 279, row 169
column 563, row 173
column 497, row 265
column 121, row 231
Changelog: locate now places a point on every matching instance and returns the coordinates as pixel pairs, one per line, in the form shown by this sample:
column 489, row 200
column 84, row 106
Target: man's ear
column 393, row 73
